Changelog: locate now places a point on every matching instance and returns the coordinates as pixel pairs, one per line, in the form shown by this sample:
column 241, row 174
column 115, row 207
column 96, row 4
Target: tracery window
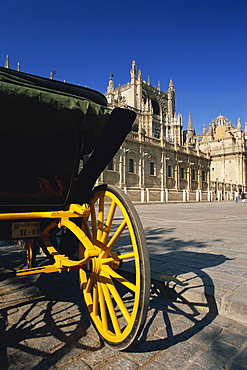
column 156, row 130
column 155, row 106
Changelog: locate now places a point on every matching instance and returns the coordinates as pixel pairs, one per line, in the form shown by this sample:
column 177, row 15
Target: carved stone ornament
column 150, row 92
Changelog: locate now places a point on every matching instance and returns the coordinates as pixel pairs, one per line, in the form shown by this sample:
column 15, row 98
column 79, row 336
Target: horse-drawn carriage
column 46, row 129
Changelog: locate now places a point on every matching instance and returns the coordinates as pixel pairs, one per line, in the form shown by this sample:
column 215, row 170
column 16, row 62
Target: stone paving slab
column 44, row 323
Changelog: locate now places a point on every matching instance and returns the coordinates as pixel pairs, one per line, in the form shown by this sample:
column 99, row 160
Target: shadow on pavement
column 175, row 314
column 165, row 239
column 46, row 322
column 43, row 319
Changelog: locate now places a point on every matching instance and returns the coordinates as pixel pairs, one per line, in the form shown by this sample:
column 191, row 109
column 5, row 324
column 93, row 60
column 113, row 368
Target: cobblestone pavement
column 44, row 323
column 205, row 246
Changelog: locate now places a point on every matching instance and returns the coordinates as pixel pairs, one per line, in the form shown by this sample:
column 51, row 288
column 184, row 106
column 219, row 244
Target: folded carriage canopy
column 45, row 128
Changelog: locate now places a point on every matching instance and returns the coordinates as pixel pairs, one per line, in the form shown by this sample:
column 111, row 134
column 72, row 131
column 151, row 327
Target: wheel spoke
column 83, row 279
column 110, row 306
column 103, row 310
column 117, row 298
column 95, row 300
column 100, row 218
column 86, row 229
column 109, row 220
column 94, row 222
column 90, row 282
column 107, row 269
column 125, row 256
column 115, row 237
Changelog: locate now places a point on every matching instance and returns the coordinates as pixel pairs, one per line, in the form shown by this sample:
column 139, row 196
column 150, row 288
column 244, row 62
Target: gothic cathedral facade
column 159, row 161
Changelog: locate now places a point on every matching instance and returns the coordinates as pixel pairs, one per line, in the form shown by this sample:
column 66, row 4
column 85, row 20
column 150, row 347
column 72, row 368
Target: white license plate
column 25, row 229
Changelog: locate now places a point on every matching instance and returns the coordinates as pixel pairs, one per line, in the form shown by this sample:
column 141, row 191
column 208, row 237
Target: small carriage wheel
column 116, row 284
column 32, row 248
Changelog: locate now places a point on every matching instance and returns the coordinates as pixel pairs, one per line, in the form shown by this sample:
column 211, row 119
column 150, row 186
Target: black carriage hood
column 34, row 105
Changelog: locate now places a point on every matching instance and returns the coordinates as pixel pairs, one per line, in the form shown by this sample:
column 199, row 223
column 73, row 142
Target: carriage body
column 46, row 127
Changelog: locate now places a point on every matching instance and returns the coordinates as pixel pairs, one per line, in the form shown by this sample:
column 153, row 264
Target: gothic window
column 131, row 165
column 151, row 168
column 156, row 130
column 193, row 174
column 134, row 128
column 182, row 172
column 110, row 165
column 156, row 108
column 204, row 176
column 169, row 171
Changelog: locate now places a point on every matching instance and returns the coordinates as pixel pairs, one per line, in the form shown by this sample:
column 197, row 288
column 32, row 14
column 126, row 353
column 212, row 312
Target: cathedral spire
column 139, row 75
column 171, row 86
column 133, row 71
column 190, row 131
column 239, row 124
column 171, row 100
column 6, row 65
column 190, row 125
column 52, row 74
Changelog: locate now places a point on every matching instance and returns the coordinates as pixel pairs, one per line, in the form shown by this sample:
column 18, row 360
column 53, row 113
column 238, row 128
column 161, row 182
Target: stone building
column 225, row 144
column 158, row 161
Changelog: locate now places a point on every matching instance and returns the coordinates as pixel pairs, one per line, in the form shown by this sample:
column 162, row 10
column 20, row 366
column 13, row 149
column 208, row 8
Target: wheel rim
column 114, row 314
column 29, row 253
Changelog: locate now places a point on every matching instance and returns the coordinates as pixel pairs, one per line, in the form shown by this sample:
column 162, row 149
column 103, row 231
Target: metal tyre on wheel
column 116, row 284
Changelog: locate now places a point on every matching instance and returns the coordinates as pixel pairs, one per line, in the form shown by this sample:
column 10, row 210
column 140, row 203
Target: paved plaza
column 197, row 317
column 205, row 246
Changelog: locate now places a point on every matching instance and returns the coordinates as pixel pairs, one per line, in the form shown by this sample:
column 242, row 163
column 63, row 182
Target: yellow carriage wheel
column 31, row 251
column 116, row 284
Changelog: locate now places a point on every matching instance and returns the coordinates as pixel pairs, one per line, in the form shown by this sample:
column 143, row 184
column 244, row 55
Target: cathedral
column 159, row 161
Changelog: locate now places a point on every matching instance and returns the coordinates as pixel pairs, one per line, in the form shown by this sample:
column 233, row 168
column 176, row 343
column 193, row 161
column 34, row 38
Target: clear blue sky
column 200, row 44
